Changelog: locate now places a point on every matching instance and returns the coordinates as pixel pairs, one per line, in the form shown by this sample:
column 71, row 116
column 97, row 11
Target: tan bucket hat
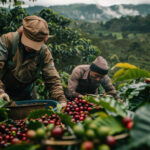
column 35, row 29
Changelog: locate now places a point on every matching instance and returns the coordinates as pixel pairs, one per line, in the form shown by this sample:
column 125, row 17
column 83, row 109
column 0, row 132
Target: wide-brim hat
column 35, row 29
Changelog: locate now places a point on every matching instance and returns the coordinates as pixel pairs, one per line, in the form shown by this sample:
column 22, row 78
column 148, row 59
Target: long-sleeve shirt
column 24, row 72
column 80, row 83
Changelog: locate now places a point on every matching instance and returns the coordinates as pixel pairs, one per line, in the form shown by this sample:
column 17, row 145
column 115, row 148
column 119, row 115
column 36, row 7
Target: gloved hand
column 4, row 95
column 63, row 104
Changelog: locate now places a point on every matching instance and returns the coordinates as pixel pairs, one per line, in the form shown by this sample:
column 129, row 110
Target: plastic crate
column 52, row 103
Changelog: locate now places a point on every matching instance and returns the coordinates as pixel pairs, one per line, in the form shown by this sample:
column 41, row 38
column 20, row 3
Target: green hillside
column 118, row 42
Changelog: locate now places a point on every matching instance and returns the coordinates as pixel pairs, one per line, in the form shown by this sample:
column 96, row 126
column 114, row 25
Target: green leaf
column 109, row 104
column 133, row 74
column 3, row 103
column 39, row 113
column 23, row 147
column 111, row 122
column 34, row 125
column 65, row 119
column 140, row 134
column 136, row 94
column 119, row 73
column 124, row 65
column 59, row 107
column 3, row 114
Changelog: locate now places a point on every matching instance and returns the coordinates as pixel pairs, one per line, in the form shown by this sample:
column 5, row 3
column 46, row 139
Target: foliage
column 129, row 23
column 141, row 128
column 136, row 94
column 124, row 65
column 11, row 19
column 113, row 123
column 64, row 76
column 3, row 114
column 65, row 119
column 39, row 113
column 3, row 103
column 111, row 105
column 133, row 44
column 128, row 72
column 34, row 125
column 40, row 89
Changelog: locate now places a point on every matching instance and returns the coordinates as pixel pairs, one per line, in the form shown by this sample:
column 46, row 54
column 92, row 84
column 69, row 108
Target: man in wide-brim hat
column 23, row 57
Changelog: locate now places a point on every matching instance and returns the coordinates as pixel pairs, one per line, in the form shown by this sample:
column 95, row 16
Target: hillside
column 117, row 44
column 95, row 12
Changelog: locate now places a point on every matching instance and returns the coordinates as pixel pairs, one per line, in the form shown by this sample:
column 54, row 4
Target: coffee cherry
column 87, row 145
column 110, row 140
column 129, row 125
column 126, row 120
column 57, row 132
column 16, row 141
column 147, row 81
column 30, row 134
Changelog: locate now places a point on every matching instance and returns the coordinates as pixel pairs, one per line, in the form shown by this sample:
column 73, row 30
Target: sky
column 100, row 2
column 67, row 2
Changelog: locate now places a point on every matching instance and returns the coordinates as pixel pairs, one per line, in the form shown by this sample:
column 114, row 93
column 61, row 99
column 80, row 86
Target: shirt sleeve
column 73, row 83
column 3, row 57
column 108, row 86
column 52, row 79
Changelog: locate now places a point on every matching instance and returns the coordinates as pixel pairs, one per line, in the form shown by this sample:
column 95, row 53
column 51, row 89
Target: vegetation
column 118, row 41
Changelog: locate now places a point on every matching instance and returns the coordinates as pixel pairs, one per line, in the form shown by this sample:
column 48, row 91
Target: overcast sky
column 100, row 2
column 66, row 2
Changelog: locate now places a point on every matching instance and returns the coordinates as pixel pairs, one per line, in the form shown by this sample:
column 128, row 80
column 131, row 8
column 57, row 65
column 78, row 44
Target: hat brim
column 30, row 43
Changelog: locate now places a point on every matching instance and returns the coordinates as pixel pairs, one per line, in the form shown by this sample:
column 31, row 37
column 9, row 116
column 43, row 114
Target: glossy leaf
column 39, row 113
column 109, row 104
column 140, row 134
column 132, row 74
column 124, row 65
column 111, row 122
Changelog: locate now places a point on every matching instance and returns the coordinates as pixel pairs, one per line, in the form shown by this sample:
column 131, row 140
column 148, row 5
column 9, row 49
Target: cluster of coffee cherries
column 13, row 133
column 127, row 122
column 53, row 119
column 16, row 132
column 78, row 109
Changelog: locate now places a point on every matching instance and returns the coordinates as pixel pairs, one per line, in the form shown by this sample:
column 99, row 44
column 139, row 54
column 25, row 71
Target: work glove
column 63, row 104
column 4, row 95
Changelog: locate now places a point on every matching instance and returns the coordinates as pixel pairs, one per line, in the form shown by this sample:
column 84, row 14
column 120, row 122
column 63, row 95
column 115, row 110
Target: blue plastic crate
column 52, row 103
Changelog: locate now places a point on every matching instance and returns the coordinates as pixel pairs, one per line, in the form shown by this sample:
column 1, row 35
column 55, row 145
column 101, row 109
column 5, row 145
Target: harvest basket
column 23, row 108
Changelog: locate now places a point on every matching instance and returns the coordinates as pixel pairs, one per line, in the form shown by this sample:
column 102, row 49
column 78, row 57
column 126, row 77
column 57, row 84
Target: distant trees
column 129, row 23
